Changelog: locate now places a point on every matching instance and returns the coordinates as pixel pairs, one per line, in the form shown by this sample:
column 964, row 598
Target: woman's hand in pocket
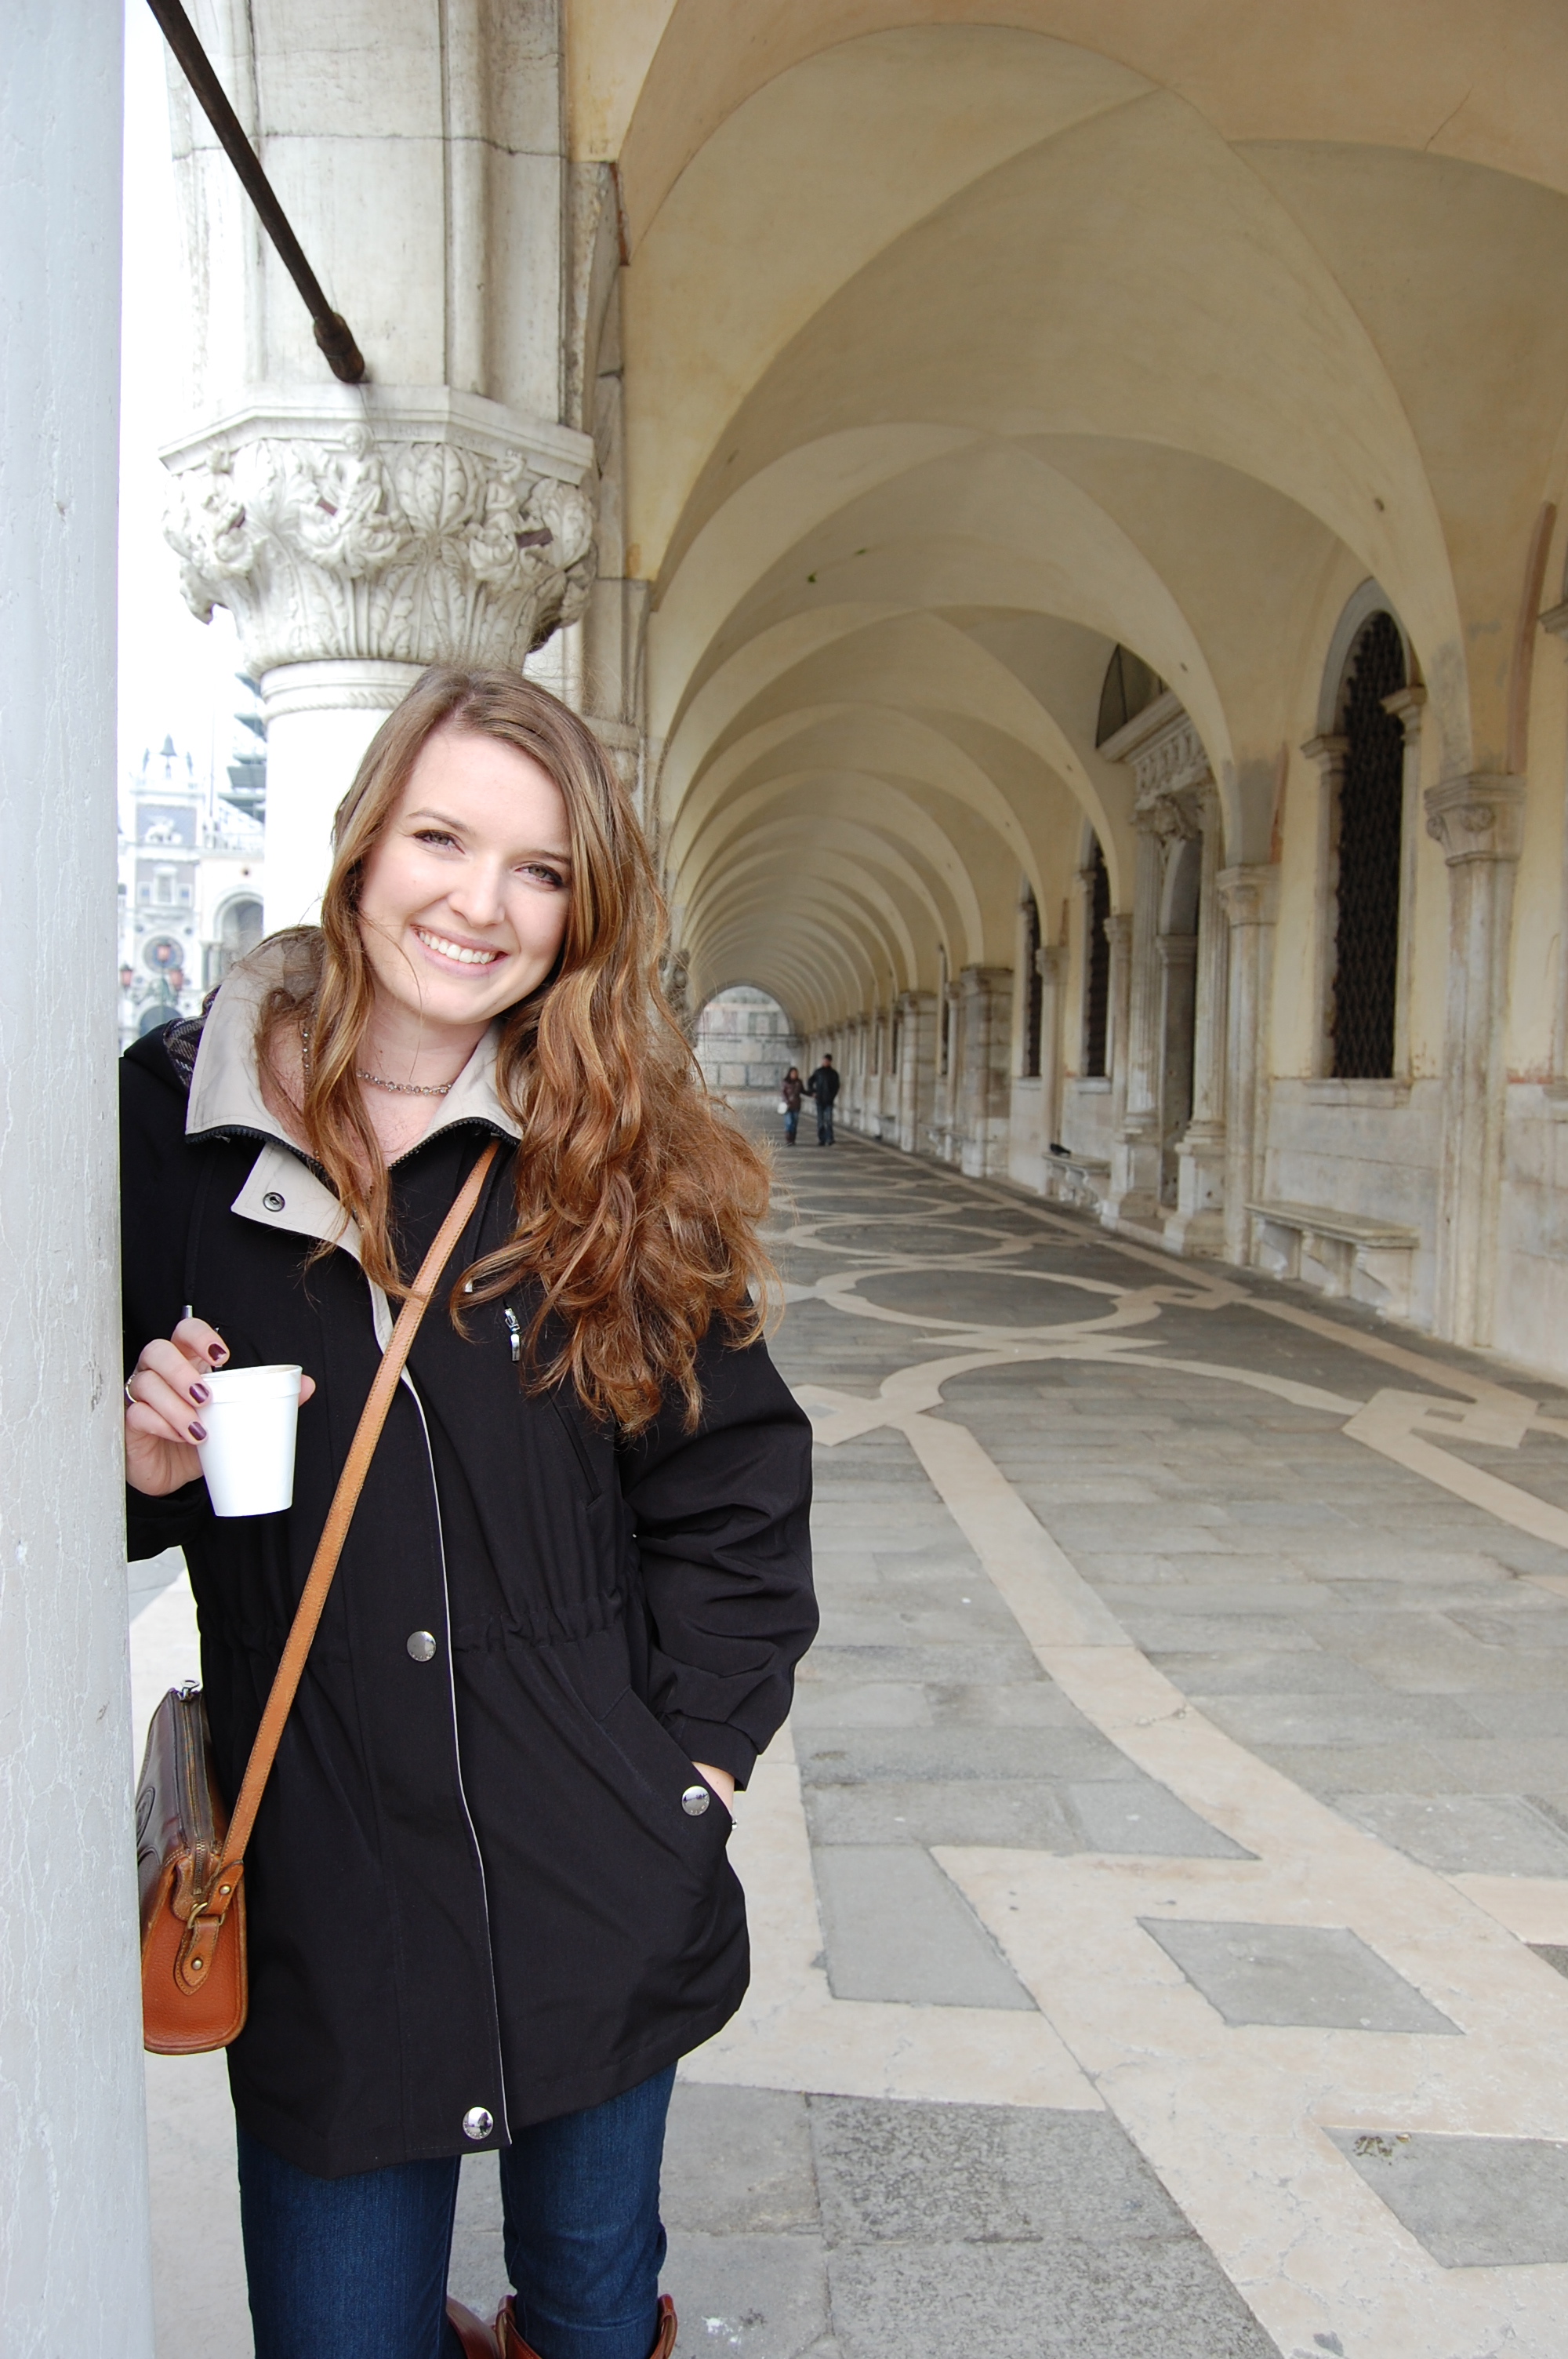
column 164, row 1401
column 721, row 1782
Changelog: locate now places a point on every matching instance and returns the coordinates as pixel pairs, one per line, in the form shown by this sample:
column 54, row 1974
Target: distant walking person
column 823, row 1088
column 792, row 1089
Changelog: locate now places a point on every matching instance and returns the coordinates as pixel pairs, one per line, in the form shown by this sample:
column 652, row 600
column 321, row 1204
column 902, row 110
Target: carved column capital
column 1174, row 814
column 1250, row 896
column 1477, row 818
column 1048, row 960
column 1328, row 752
column 1406, row 705
column 409, row 528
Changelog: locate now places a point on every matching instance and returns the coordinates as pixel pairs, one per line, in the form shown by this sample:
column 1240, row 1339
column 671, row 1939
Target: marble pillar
column 445, row 510
column 916, row 1070
column 949, row 1081
column 1178, row 976
column 73, row 2173
column 982, row 1105
column 1197, row 1224
column 1250, row 897
column 1479, row 821
column 1327, row 752
column 1050, row 962
column 1135, row 1154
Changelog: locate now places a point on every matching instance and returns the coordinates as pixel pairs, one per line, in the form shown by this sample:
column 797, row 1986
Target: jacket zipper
column 457, row 1755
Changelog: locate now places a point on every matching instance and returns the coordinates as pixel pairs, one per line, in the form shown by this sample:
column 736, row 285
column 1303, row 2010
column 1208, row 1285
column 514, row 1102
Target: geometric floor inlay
column 1474, row 2202
column 1319, row 1977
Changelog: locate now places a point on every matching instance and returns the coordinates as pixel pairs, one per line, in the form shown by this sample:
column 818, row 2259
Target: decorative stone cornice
column 1477, row 818
column 1250, row 896
column 1170, row 768
column 409, row 527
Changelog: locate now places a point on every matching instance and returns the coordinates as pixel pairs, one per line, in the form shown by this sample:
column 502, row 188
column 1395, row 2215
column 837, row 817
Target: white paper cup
column 248, row 1455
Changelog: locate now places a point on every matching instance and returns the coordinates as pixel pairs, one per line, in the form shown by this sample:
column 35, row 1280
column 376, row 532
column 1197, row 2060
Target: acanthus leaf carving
column 428, row 549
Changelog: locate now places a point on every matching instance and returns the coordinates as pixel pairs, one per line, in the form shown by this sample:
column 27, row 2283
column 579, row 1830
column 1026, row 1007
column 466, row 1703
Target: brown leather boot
column 513, row 2347
column 475, row 2336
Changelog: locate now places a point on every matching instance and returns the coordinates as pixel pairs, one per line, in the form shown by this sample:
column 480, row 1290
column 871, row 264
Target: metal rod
column 332, row 331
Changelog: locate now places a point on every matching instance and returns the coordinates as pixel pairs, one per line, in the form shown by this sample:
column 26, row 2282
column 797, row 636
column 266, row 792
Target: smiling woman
column 489, row 1901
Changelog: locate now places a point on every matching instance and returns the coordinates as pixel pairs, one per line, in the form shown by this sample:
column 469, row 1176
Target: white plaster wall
column 73, row 2235
column 1324, row 1147
column 1533, row 1244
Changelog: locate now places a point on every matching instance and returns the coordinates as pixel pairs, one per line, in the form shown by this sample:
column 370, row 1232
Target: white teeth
column 455, row 950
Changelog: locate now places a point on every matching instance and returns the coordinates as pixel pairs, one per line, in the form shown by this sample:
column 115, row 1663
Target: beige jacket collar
column 284, row 1189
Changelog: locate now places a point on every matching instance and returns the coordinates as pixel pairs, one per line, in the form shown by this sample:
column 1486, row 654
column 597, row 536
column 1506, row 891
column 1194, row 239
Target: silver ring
column 130, row 1396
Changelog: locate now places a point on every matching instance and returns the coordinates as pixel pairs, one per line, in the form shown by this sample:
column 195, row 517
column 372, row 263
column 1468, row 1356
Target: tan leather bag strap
column 335, row 1530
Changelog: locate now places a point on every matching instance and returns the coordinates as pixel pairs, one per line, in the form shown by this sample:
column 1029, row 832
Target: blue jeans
column 825, row 1124
column 792, row 1124
column 356, row 2268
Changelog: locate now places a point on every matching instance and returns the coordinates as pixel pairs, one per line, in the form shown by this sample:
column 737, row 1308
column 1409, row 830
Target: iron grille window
column 1371, row 799
column 1033, row 989
column 1097, row 977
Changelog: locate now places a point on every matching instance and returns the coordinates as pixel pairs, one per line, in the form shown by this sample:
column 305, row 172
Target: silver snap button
column 421, row 1646
column 695, row 1800
column 477, row 2122
column 272, row 1202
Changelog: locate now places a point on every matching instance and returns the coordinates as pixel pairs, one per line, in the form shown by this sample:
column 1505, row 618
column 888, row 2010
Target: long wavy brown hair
column 637, row 1203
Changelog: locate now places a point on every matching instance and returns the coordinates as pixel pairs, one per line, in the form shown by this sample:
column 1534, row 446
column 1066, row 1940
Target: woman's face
column 463, row 902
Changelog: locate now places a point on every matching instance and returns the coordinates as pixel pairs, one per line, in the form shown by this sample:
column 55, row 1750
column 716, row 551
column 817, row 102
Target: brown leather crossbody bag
column 190, row 1856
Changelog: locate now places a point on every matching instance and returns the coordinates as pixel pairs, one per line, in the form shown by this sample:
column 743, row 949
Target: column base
column 1196, row 1228
column 1134, row 1194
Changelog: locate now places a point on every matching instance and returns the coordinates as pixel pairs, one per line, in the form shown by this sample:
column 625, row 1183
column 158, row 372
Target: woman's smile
column 443, row 946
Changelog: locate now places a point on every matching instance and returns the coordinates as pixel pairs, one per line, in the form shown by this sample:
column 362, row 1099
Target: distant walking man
column 823, row 1088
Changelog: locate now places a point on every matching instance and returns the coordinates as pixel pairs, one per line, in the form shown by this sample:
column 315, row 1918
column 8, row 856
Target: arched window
column 1129, row 687
column 1367, row 827
column 239, row 931
column 1096, row 968
column 1033, row 989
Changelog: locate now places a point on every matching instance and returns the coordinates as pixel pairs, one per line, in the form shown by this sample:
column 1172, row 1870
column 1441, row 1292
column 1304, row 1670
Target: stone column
column 1479, row 821
column 73, row 2179
column 1178, row 956
column 1118, row 934
column 1050, row 962
column 1135, row 1155
column 1197, row 1225
column 982, row 1103
column 1328, row 753
column 950, row 1080
column 1251, row 898
column 1406, row 705
column 356, row 540
column 917, row 1071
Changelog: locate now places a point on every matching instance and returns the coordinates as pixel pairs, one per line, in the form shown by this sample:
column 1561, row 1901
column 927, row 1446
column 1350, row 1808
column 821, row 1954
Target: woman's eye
column 433, row 835
column 551, row 877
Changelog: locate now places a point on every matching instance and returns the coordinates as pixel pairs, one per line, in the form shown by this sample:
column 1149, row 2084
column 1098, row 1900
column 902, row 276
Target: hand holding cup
column 168, row 1401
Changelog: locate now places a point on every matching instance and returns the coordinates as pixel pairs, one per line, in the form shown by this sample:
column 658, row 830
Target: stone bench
column 1361, row 1259
column 1077, row 1180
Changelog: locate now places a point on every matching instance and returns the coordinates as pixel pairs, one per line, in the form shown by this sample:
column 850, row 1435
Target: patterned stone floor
column 1160, row 1898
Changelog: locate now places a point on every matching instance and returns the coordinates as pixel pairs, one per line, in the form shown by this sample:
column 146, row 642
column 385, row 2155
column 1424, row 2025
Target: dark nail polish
column 198, row 1433
column 199, row 1393
column 217, row 1351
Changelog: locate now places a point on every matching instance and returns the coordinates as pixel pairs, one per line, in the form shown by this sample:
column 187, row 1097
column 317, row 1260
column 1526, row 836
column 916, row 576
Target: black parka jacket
column 475, row 1897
